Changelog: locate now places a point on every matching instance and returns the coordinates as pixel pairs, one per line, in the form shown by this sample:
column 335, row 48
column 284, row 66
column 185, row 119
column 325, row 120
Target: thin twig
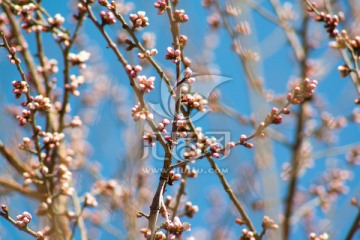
column 299, row 137
column 26, row 54
column 263, row 12
column 78, row 217
column 32, row 112
column 334, row 151
column 16, row 187
column 262, row 234
column 19, row 166
column 24, row 229
column 354, row 75
column 180, row 192
column 231, row 194
column 354, row 227
column 289, row 32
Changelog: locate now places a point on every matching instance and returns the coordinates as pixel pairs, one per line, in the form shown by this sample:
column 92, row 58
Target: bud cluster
column 180, row 16
column 65, row 176
column 133, row 70
column 194, row 101
column 333, row 186
column 190, row 209
column 150, row 139
column 107, row 18
column 331, row 22
column 50, row 67
column 247, row 235
column 161, row 6
column 303, row 91
column 182, row 42
column 139, row 112
column 269, row 224
column 23, row 219
column 244, row 142
column 20, row 87
column 173, row 55
column 52, row 139
column 146, row 84
column 56, row 21
column 353, row 156
column 176, row 227
column 27, row 179
column 90, row 200
column 12, row 57
column 139, row 19
column 75, row 82
column 323, row 236
column 173, row 177
column 76, row 122
column 181, row 125
column 24, row 118
column 26, row 14
column 273, row 117
column 79, row 59
column 40, row 103
column 148, row 53
column 344, row 70
column 162, row 125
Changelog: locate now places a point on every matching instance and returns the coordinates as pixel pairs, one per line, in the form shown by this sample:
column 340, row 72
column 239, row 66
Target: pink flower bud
column 242, row 138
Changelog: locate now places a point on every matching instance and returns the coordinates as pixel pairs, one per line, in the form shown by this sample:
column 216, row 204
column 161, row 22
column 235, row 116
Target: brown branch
column 16, row 187
column 180, row 192
column 289, row 32
column 299, row 137
column 263, row 12
column 33, row 112
column 41, row 57
column 258, row 130
column 19, row 166
column 232, row 196
column 138, row 44
column 354, row 227
column 61, row 222
column 66, row 71
column 28, row 59
column 227, row 187
column 123, row 62
column 26, row 229
column 27, row 56
column 295, row 163
column 174, row 28
column 249, row 70
column 79, row 219
column 156, row 202
column 154, row 209
column 352, row 60
column 155, row 206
